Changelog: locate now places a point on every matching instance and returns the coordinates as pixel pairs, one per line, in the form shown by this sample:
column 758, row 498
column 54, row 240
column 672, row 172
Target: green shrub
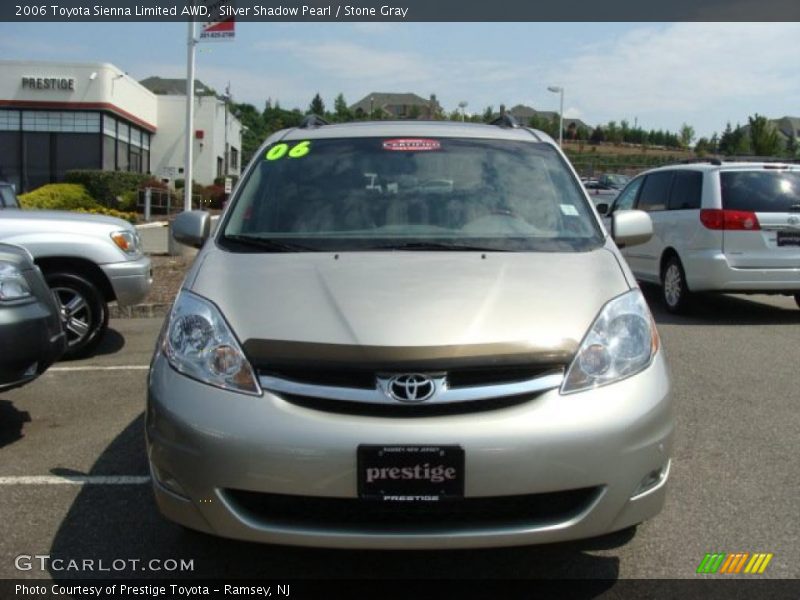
column 107, row 186
column 129, row 200
column 58, row 196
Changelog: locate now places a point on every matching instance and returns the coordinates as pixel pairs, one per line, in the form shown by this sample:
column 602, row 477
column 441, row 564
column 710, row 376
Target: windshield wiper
column 267, row 244
column 434, row 246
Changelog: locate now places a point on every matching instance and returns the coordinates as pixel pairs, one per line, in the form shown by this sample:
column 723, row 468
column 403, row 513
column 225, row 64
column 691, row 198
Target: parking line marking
column 98, row 368
column 76, row 480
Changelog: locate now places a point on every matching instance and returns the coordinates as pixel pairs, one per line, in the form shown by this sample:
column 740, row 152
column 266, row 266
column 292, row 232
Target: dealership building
column 55, row 117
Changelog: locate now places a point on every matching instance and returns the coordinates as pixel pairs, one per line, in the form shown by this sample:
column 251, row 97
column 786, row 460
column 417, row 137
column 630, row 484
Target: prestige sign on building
column 48, row 83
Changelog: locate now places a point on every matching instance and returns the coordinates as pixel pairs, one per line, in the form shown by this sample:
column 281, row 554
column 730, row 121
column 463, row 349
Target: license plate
column 789, row 238
column 410, row 473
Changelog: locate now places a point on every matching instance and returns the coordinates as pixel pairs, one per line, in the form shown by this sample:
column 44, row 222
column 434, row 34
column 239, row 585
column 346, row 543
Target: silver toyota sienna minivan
column 409, row 335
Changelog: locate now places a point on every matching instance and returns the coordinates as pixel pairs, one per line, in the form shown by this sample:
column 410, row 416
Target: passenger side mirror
column 603, row 208
column 192, row 228
column 631, row 227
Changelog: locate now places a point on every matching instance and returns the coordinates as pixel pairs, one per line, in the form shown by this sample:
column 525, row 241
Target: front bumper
column 130, row 280
column 710, row 271
column 203, row 441
column 31, row 339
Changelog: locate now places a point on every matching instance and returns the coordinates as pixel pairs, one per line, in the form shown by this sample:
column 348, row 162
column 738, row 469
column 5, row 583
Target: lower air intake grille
column 403, row 517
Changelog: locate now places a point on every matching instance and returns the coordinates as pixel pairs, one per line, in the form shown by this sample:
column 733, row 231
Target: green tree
column 687, row 135
column 317, row 106
column 341, row 111
column 791, row 147
column 764, row 139
column 415, row 112
column 702, row 147
column 488, row 114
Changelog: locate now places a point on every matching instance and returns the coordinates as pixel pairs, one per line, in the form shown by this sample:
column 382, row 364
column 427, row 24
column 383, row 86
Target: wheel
column 84, row 312
column 673, row 286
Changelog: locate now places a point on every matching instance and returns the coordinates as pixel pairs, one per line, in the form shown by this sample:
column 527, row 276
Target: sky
column 656, row 75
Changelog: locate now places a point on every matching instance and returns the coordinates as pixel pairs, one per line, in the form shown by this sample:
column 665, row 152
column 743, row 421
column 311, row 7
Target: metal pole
column 561, row 121
column 148, row 199
column 187, row 169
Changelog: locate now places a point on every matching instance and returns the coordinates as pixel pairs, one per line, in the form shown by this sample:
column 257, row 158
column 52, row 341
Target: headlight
column 621, row 342
column 199, row 343
column 127, row 241
column 12, row 284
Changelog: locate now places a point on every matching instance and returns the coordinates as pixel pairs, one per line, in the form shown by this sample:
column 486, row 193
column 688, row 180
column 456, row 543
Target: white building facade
column 56, row 117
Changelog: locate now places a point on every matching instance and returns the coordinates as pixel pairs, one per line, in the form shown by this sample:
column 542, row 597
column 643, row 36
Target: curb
column 139, row 311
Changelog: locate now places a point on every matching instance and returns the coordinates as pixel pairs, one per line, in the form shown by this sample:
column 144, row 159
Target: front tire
column 673, row 286
column 84, row 312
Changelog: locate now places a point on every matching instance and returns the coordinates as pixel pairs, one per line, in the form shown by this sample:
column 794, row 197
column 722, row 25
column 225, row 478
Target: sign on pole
column 218, row 31
column 228, row 185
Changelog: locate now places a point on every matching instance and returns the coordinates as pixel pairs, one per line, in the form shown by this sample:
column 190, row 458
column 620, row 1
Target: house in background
column 397, row 106
column 788, row 128
column 524, row 114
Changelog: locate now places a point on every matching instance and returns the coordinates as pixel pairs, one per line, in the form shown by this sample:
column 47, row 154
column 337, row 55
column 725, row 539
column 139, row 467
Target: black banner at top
column 400, row 10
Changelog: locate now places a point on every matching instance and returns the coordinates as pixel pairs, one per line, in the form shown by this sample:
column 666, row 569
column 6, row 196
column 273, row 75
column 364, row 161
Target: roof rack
column 311, row 121
column 713, row 161
column 506, row 121
column 765, row 159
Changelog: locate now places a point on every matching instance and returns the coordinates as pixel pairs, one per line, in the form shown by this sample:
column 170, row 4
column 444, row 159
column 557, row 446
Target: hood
column 58, row 218
column 409, row 305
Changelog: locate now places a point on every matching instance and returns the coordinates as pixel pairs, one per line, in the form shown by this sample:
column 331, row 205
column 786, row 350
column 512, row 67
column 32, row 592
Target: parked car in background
column 409, row 335
column 602, row 196
column 31, row 335
column 614, row 181
column 718, row 227
column 87, row 260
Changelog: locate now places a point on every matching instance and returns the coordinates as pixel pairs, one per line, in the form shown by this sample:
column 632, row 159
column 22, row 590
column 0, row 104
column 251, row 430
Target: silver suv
column 409, row 335
column 87, row 260
column 717, row 227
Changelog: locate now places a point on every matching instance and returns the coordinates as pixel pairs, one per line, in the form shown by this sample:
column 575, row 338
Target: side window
column 686, row 190
column 627, row 197
column 655, row 191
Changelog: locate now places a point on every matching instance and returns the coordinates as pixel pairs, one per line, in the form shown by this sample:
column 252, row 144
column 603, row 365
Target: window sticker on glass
column 411, row 145
column 281, row 150
column 569, row 210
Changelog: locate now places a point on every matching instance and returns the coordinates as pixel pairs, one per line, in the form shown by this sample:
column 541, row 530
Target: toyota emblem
column 411, row 387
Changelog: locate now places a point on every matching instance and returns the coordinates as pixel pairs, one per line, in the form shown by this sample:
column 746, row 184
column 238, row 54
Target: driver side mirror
column 603, row 208
column 192, row 228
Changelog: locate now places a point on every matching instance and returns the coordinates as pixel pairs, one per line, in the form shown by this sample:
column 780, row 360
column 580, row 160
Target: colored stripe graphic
column 758, row 564
column 733, row 563
column 711, row 562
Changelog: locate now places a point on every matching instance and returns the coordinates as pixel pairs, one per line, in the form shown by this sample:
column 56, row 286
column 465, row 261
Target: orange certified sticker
column 411, row 145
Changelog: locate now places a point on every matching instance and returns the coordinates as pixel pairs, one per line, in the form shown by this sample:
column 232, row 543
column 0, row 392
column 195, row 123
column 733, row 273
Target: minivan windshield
column 410, row 194
column 761, row 191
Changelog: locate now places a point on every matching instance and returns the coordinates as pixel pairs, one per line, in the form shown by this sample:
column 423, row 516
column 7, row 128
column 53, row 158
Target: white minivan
column 717, row 227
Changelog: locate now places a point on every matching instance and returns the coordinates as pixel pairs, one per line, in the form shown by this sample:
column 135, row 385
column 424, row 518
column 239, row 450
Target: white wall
column 168, row 150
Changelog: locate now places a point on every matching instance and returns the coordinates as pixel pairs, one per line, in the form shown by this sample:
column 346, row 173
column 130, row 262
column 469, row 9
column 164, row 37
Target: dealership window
column 10, row 159
column 123, row 139
column 9, row 120
column 220, row 166
column 234, row 158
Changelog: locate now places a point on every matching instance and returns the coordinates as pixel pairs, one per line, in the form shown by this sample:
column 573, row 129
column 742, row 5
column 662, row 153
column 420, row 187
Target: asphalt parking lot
column 734, row 481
